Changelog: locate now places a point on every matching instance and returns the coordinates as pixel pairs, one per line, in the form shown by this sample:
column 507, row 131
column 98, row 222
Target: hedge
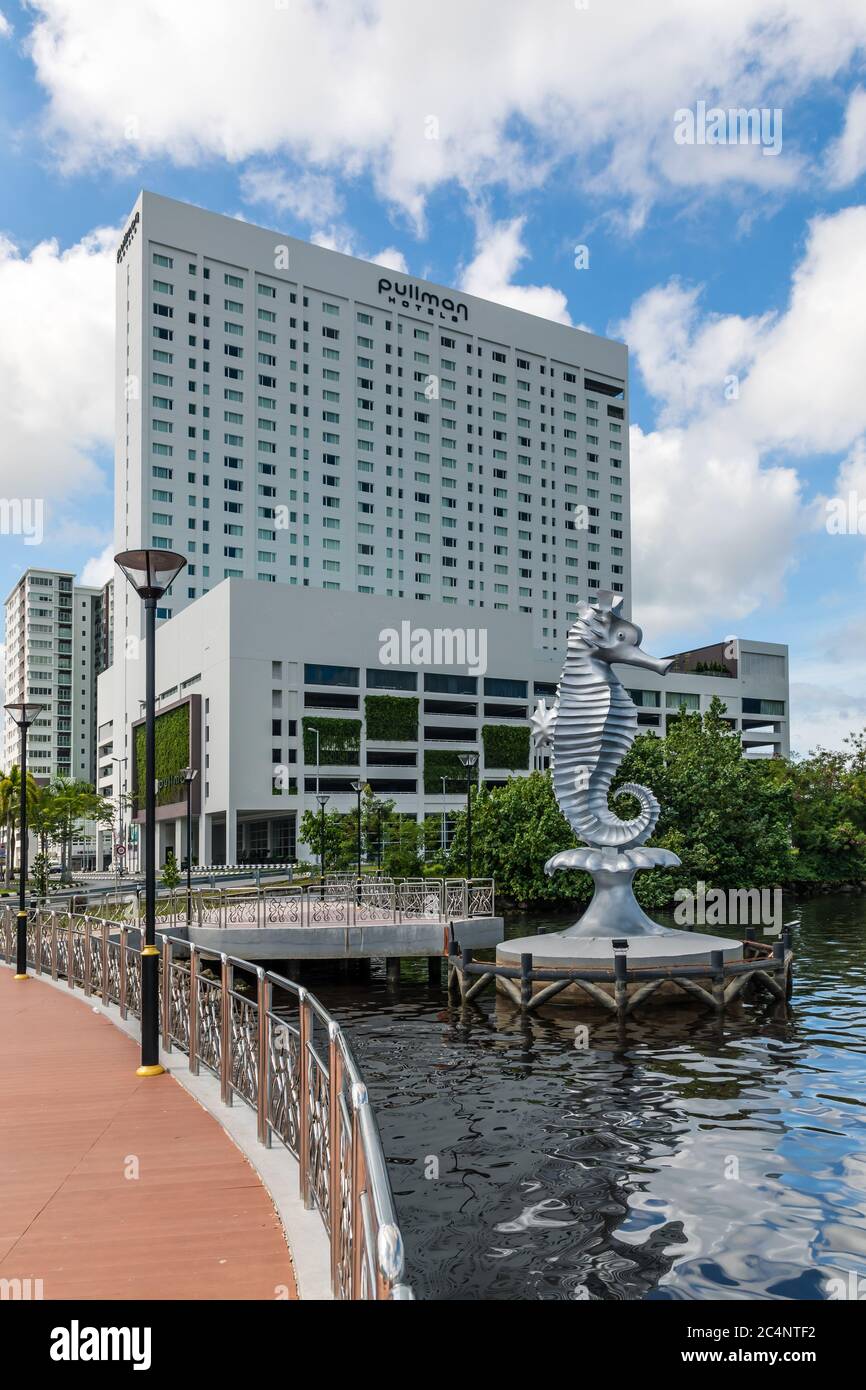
column 339, row 740
column 171, row 737
column 441, row 762
column 392, row 717
column 506, row 747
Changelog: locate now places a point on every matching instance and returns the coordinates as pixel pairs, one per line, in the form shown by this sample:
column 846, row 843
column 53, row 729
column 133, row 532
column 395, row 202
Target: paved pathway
column 113, row 1185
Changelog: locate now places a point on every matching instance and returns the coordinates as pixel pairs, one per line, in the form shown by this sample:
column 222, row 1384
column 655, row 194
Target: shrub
column 392, row 717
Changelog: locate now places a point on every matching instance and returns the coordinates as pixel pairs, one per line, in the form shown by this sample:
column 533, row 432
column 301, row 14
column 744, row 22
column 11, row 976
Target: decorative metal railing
column 272, row 1046
column 338, row 900
column 346, row 902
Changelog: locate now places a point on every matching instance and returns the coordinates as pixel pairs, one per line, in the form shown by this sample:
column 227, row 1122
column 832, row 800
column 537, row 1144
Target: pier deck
column 117, row 1186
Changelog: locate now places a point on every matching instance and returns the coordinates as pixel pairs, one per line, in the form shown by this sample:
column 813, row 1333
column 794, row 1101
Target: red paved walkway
column 74, row 1121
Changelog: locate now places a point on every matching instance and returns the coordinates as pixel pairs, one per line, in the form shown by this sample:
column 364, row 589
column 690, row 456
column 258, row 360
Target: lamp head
column 23, row 712
column 150, row 572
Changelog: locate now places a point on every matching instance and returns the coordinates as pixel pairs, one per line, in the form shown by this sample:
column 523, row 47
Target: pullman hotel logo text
column 127, row 238
column 412, row 296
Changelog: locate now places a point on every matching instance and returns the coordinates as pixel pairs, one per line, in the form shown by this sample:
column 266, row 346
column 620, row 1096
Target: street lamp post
column 469, row 761
column 444, row 820
column 120, row 831
column 357, row 788
column 151, row 573
column 323, row 799
column 24, row 715
column 189, row 775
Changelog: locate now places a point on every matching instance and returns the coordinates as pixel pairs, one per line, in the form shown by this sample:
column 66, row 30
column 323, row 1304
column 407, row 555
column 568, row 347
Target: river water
column 682, row 1159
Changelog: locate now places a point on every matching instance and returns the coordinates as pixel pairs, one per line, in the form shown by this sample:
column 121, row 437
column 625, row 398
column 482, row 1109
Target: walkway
column 113, row 1185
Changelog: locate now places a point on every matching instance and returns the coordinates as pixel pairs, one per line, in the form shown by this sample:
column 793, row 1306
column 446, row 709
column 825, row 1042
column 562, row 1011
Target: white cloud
column 342, row 238
column 5, row 26
column 716, row 499
column 56, row 365
column 847, row 156
column 312, row 198
column 824, row 712
column 499, row 251
column 477, row 93
column 99, row 568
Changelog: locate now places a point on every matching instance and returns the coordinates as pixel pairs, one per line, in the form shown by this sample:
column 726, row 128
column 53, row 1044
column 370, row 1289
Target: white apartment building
column 54, row 651
column 291, row 415
column 246, row 674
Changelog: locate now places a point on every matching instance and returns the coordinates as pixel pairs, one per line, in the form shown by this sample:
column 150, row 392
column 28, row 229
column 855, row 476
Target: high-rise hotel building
column 292, row 415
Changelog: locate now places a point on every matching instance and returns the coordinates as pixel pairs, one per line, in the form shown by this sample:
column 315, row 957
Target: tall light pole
column 469, row 761
column 323, row 798
column 443, row 780
column 357, row 788
column 120, row 830
column 189, row 775
column 151, row 573
column 24, row 715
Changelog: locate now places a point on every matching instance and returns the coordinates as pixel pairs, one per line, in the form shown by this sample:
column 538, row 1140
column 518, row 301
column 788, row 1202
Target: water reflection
column 676, row 1157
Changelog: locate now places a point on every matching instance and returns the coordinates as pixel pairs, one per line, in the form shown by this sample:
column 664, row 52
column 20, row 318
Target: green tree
column 403, row 847
column 727, row 820
column 335, row 838
column 828, row 829
column 515, row 830
column 10, row 810
column 73, row 802
column 170, row 871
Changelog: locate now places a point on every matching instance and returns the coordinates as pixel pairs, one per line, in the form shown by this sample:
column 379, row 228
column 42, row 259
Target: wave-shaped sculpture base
column 614, row 910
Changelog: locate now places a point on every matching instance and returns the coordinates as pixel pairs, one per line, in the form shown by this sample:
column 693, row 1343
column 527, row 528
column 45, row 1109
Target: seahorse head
column 612, row 638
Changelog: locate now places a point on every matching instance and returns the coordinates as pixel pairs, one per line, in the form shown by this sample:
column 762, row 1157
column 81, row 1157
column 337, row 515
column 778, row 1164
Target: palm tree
column 10, row 806
column 71, row 802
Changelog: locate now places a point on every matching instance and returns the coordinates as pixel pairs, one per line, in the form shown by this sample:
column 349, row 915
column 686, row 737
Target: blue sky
column 482, row 144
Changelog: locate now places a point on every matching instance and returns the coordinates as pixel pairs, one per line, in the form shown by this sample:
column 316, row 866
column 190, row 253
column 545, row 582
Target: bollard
column 717, row 966
column 525, row 978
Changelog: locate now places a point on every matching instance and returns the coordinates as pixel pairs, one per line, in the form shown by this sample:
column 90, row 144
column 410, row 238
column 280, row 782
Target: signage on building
column 411, row 296
column 127, row 238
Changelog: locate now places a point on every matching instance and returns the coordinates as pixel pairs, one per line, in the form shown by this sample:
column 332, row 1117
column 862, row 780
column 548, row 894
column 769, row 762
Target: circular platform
column 558, row 951
column 663, row 951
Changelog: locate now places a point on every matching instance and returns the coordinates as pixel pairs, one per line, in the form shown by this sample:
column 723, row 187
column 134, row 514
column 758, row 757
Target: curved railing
column 334, row 901
column 345, row 902
column 271, row 1045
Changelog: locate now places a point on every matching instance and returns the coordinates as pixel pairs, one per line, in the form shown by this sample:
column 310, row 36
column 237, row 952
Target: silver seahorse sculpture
column 591, row 727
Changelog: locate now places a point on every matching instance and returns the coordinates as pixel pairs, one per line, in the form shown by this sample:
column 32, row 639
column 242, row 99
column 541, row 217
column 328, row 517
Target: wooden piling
column 717, row 966
column 525, row 979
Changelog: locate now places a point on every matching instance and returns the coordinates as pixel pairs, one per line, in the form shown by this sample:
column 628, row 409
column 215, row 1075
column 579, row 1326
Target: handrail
column 345, row 902
column 296, row 1071
column 333, row 901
